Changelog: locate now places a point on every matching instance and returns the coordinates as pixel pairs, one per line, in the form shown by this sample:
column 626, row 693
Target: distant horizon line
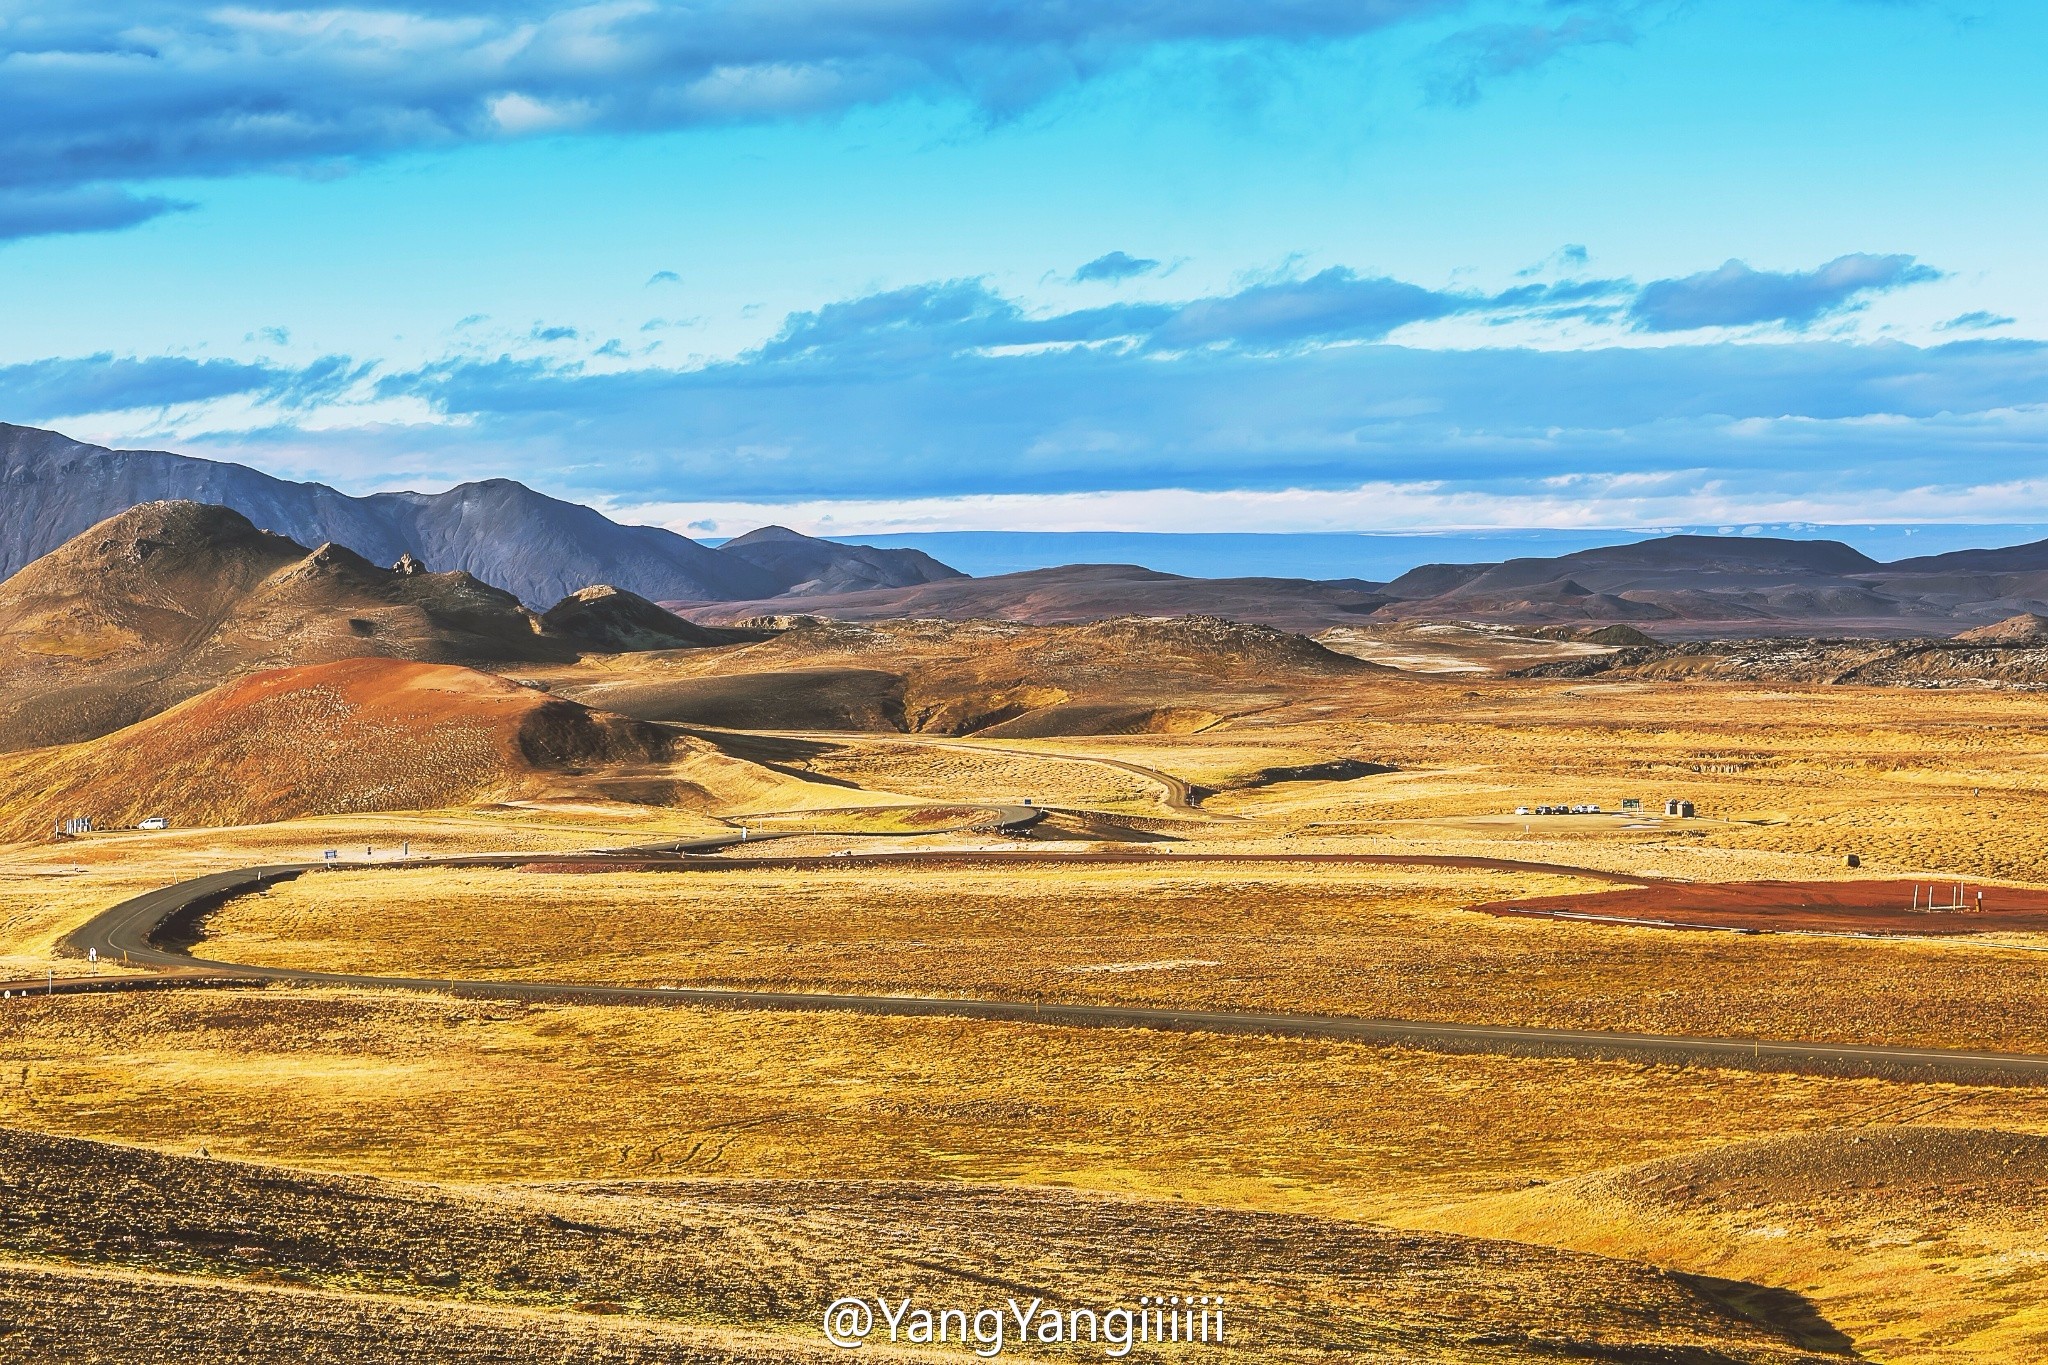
column 1381, row 556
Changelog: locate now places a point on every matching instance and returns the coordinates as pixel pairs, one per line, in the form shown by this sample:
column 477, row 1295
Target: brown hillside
column 170, row 598
column 760, row 1259
column 1132, row 675
column 357, row 735
column 1072, row 593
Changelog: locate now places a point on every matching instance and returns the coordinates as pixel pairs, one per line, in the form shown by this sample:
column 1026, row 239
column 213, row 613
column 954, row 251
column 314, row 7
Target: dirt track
column 1177, row 795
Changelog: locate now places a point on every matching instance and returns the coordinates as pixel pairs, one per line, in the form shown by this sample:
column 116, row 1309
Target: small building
column 1682, row 809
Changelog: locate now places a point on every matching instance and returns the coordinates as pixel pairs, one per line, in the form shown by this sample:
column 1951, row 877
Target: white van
column 153, row 822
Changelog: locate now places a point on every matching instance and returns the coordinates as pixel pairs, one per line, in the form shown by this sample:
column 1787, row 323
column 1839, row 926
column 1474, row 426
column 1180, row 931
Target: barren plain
column 1198, row 817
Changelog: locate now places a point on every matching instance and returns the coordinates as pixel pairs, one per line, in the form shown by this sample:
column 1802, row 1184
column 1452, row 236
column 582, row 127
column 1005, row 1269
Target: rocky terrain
column 2008, row 654
column 759, row 1260
column 541, row 549
column 611, row 620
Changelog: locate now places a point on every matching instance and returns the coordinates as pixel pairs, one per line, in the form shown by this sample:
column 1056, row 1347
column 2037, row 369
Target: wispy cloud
column 85, row 208
column 1680, row 499
column 955, row 317
column 1468, row 60
column 43, row 390
column 1737, row 296
column 1980, row 320
column 1114, row 268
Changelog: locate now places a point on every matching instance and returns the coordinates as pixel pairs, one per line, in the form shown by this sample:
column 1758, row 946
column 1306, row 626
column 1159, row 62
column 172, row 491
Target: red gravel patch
column 1871, row 907
column 599, row 865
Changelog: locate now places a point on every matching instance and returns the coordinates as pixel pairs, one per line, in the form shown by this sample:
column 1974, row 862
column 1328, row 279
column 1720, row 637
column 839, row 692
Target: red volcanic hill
column 170, row 598
column 355, row 735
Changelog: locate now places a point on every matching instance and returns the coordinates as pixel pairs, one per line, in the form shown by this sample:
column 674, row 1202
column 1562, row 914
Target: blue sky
column 903, row 265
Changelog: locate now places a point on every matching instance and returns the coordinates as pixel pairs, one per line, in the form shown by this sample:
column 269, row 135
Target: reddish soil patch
column 594, row 866
column 1792, row 907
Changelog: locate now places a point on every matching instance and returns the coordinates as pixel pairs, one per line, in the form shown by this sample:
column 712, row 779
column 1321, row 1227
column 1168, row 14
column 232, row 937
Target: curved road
column 145, row 930
column 1177, row 795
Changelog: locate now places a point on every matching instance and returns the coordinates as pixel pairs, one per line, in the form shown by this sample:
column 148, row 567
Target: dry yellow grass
column 1362, row 940
column 1790, row 780
column 956, row 772
column 1924, row 1243
column 1910, row 781
column 48, row 889
column 460, row 1091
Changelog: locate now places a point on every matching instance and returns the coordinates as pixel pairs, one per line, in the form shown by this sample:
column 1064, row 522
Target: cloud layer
column 46, row 390
column 952, row 390
column 99, row 94
column 114, row 90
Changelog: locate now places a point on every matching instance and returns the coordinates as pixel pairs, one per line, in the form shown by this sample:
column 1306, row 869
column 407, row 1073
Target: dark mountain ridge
column 543, row 550
column 1688, row 585
column 538, row 548
column 807, row 566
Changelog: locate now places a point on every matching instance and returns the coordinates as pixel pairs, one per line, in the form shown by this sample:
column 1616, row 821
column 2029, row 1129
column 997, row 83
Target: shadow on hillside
column 1789, row 1313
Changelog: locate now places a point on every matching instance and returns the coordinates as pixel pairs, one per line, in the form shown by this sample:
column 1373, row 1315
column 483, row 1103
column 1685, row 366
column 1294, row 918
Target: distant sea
column 1380, row 557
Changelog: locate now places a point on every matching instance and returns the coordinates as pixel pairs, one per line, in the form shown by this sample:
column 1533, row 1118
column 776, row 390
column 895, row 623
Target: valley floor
column 455, row 1179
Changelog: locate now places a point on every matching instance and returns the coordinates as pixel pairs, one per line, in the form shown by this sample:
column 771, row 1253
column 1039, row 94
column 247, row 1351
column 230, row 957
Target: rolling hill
column 168, row 599
column 373, row 734
column 1128, row 675
column 1076, row 593
column 355, row 735
column 278, row 1264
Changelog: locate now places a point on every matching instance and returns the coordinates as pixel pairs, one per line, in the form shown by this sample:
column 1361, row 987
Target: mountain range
column 543, row 550
column 538, row 548
column 1674, row 586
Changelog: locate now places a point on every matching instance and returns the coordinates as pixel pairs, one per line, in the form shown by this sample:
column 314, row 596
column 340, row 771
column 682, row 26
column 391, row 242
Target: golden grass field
column 1925, row 1257
column 1379, row 942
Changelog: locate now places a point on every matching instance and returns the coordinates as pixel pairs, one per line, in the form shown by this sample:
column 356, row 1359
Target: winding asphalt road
column 148, row 929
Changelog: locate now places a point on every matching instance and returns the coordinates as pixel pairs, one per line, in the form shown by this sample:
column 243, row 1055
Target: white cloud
column 1594, row 503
